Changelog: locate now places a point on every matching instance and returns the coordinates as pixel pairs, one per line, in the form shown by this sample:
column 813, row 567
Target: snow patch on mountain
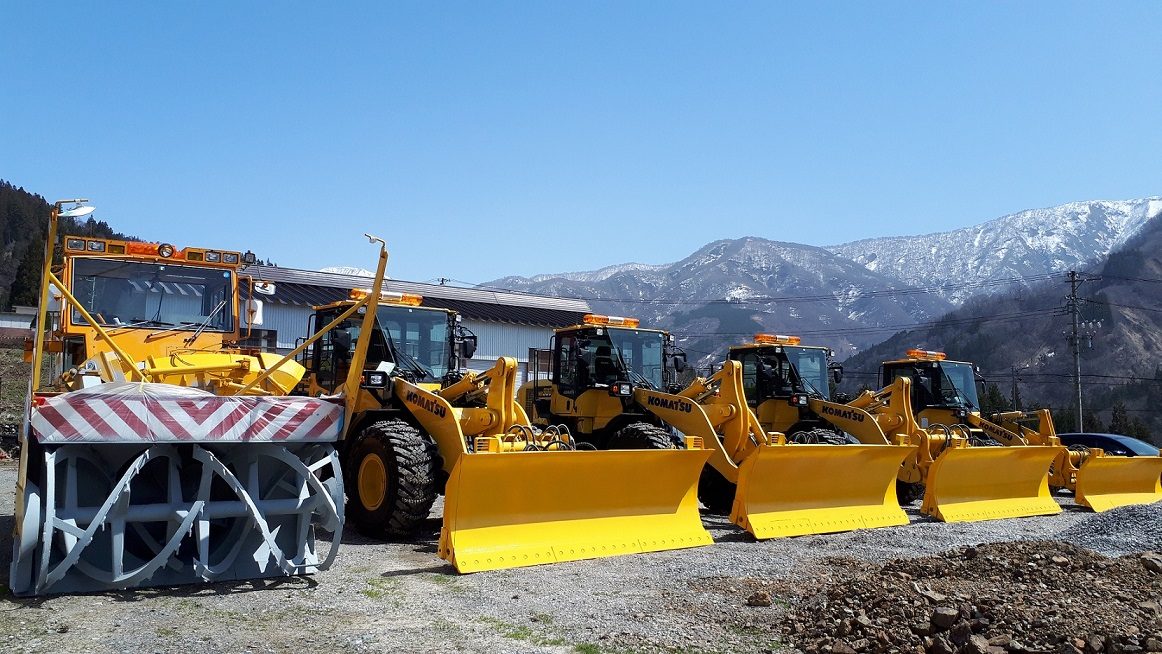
column 1016, row 248
column 348, row 270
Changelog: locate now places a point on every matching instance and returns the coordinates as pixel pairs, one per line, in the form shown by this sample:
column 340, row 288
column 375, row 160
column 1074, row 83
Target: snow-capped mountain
column 852, row 295
column 1017, row 246
column 732, row 289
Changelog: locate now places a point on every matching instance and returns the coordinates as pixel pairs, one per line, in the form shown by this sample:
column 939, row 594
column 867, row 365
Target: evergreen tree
column 1120, row 419
column 994, row 401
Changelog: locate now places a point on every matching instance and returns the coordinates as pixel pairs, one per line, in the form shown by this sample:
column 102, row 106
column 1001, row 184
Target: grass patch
column 167, row 632
column 379, row 587
column 520, row 632
column 542, row 617
column 586, row 648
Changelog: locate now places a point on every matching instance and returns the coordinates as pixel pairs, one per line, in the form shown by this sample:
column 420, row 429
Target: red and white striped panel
column 134, row 417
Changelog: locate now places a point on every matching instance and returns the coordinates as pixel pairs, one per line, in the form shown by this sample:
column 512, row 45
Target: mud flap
column 971, row 484
column 527, row 508
column 1107, row 482
column 793, row 490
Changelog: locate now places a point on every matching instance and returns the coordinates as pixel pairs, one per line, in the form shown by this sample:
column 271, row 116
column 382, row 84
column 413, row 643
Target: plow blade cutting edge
column 519, row 509
column 970, row 484
column 793, row 490
column 1107, row 482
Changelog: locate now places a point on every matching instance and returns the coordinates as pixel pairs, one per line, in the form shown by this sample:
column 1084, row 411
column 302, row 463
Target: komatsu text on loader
column 515, row 495
column 944, row 393
column 140, row 465
column 613, row 384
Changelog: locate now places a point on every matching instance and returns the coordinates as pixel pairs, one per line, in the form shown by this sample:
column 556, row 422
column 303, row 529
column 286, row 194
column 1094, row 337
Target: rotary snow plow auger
column 514, row 495
column 966, row 476
column 126, row 480
column 1097, row 480
column 606, row 383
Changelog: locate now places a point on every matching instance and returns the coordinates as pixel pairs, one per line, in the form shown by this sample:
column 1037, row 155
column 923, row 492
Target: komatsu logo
column 427, row 404
column 671, row 405
column 843, row 414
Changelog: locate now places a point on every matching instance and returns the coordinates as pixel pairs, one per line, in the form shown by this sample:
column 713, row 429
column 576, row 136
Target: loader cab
column 776, row 367
column 594, row 369
column 943, row 391
column 779, row 378
column 408, row 340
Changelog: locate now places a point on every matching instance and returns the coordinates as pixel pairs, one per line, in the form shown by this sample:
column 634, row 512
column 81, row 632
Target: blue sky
column 486, row 139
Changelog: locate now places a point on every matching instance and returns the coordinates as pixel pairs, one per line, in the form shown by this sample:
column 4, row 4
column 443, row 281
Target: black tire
column 818, row 436
column 715, row 492
column 641, row 436
column 396, row 506
column 907, row 493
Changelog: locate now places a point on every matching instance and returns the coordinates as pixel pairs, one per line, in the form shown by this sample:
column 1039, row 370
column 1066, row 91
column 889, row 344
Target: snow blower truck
column 515, row 495
column 944, row 393
column 613, row 384
column 139, row 464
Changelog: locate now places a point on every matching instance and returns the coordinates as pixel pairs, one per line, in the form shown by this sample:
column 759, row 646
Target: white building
column 505, row 324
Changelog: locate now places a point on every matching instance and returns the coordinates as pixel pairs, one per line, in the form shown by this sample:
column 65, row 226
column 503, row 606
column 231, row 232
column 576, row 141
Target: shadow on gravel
column 7, row 524
column 217, row 589
column 444, row 570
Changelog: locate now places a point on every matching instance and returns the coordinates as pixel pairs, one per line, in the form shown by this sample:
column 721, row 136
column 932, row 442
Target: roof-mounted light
column 925, row 355
column 165, row 250
column 776, row 339
column 610, row 321
column 393, row 297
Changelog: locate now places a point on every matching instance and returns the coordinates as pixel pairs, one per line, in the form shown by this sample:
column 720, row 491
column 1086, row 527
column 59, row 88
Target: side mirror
column 680, row 362
column 374, row 379
column 836, row 372
column 467, row 346
column 254, row 312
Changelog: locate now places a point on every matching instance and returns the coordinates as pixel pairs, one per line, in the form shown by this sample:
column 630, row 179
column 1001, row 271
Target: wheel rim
column 372, row 482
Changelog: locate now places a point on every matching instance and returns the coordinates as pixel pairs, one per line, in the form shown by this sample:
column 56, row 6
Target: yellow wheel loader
column 966, row 475
column 944, row 393
column 787, row 383
column 515, row 495
column 1097, row 480
column 139, row 464
column 606, row 380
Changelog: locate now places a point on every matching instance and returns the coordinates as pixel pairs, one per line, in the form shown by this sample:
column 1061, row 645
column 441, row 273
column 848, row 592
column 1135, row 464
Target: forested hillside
column 1021, row 336
column 23, row 221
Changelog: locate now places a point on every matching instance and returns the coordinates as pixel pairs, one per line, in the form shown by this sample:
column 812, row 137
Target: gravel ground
column 401, row 597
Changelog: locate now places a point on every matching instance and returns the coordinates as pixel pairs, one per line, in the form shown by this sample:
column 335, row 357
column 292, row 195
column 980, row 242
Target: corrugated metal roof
column 348, row 282
column 298, row 294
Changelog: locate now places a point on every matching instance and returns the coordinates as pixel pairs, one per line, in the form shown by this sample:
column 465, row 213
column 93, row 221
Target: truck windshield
column 420, row 337
column 153, row 295
column 811, row 364
column 946, row 384
column 642, row 352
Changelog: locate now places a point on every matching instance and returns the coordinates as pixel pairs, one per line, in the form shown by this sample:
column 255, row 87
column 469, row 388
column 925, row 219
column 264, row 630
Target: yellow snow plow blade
column 793, row 490
column 1107, row 482
column 526, row 508
column 970, row 484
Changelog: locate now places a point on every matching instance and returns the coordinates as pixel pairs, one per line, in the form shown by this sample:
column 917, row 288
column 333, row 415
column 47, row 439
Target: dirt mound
column 990, row 599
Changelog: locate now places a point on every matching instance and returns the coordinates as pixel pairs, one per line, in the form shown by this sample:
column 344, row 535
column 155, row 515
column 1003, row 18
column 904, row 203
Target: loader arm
column 999, row 433
column 501, row 425
column 714, row 410
column 853, row 420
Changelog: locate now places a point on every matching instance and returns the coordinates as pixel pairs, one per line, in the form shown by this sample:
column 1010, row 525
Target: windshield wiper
column 634, row 376
column 961, row 397
column 423, row 371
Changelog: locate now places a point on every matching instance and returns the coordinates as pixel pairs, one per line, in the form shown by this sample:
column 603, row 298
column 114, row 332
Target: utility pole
column 1077, row 331
column 1015, row 395
column 1074, row 341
